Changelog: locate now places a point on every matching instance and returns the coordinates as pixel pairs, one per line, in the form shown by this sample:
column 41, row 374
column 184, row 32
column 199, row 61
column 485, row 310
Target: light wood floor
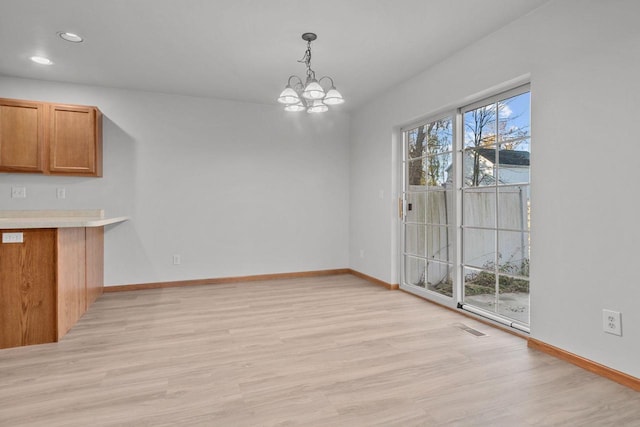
column 329, row 351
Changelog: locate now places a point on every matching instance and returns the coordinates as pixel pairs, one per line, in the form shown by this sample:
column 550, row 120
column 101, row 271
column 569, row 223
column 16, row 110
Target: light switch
column 18, row 192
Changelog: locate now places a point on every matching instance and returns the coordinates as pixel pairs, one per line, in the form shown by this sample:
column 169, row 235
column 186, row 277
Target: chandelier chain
column 306, row 59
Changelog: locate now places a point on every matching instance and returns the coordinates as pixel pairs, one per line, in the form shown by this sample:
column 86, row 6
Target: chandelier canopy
column 310, row 95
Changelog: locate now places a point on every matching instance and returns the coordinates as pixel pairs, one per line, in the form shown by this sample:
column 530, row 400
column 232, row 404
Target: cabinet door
column 21, row 136
column 28, row 289
column 75, row 140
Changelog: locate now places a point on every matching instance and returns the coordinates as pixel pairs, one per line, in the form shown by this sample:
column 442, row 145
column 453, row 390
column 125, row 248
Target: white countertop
column 10, row 220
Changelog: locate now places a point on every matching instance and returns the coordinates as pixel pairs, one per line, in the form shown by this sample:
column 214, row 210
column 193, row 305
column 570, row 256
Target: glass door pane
column 496, row 206
column 428, row 218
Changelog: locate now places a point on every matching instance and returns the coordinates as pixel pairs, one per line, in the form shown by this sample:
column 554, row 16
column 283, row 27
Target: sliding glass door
column 466, row 208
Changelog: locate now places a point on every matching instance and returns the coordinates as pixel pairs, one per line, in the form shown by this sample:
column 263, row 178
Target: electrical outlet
column 18, row 192
column 12, row 237
column 61, row 193
column 176, row 259
column 611, row 322
column 361, row 253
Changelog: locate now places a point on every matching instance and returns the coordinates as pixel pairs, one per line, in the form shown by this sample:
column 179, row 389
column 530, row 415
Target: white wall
column 234, row 188
column 583, row 59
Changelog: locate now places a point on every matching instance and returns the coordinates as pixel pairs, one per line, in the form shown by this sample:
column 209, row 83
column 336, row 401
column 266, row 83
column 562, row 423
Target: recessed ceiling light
column 70, row 37
column 41, row 60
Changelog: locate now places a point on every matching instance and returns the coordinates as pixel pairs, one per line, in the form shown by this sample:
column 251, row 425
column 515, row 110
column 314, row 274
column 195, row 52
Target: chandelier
column 310, row 96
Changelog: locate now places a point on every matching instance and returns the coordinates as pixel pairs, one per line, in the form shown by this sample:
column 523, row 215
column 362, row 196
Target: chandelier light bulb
column 295, row 107
column 317, row 107
column 313, row 90
column 333, row 97
column 288, row 96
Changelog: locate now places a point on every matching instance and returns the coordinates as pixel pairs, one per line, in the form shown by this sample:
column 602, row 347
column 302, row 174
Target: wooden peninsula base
column 47, row 282
column 51, row 271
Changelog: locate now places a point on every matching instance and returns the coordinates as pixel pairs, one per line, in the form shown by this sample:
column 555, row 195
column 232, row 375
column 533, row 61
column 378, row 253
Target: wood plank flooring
column 326, row 351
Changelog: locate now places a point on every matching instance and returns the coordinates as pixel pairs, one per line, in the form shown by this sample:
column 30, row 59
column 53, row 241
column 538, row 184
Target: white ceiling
column 242, row 49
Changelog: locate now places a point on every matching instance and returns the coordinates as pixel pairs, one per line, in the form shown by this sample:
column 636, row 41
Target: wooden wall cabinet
column 47, row 282
column 21, row 136
column 75, row 140
column 53, row 139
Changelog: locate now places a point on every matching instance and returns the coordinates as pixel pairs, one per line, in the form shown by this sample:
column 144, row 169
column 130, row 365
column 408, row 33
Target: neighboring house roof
column 507, row 157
